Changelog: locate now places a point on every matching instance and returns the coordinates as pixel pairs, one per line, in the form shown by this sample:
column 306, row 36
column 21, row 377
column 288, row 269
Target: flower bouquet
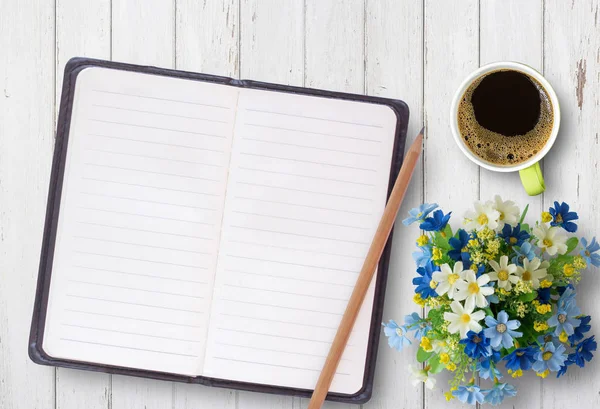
column 500, row 297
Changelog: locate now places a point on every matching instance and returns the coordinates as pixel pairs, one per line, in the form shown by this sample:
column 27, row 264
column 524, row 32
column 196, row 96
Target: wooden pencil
column 366, row 274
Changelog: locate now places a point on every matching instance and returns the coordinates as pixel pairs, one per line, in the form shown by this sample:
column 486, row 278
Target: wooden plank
column 334, row 56
column 143, row 32
column 451, row 180
column 271, row 39
column 512, row 31
column 81, row 30
column 26, row 145
column 394, row 69
column 572, row 65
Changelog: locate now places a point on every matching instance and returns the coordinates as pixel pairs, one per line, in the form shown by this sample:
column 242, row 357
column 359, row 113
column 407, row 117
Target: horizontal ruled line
column 137, row 155
column 313, row 117
column 274, row 350
column 282, row 128
column 150, row 187
column 308, row 161
column 290, row 278
column 277, row 321
column 298, row 235
column 157, row 128
column 281, row 306
column 305, row 191
column 310, row 147
column 302, row 205
column 100, row 314
column 140, row 274
column 135, row 289
column 152, row 172
column 239, row 330
column 299, row 220
column 162, row 99
column 274, row 365
column 128, row 333
column 124, row 347
column 84, row 297
column 292, row 264
column 158, row 143
column 159, row 113
column 145, row 215
column 295, row 249
column 146, row 231
column 139, row 259
column 142, row 245
column 286, row 292
column 305, row 176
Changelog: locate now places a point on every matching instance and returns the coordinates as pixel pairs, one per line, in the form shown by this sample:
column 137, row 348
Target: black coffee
column 505, row 117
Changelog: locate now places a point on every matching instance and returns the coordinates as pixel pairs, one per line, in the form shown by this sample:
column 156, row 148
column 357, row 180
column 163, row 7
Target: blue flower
column 496, row 395
column 458, row 244
column 563, row 369
column 419, row 213
column 436, row 223
column 423, row 281
column 469, row 394
column 414, row 322
column 561, row 216
column 543, row 295
column 525, row 251
column 564, row 319
column 549, row 337
column 567, row 294
column 583, row 352
column 476, row 345
column 589, row 252
column 514, row 236
column 521, row 358
column 422, row 257
column 396, row 335
column 549, row 357
column 583, row 327
column 501, row 331
column 487, row 370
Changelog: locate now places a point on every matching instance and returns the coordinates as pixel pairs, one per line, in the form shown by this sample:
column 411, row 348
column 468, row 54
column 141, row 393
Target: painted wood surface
column 415, row 50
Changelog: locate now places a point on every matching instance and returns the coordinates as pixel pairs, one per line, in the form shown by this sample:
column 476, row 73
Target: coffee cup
column 504, row 149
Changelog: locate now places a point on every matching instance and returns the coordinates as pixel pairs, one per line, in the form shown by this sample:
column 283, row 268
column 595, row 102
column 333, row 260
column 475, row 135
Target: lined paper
column 307, row 187
column 139, row 223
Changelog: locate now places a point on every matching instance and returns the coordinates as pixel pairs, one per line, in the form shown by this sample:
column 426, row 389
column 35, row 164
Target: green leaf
column 525, row 227
column 423, row 356
column 448, row 231
column 488, row 311
column 524, row 214
column 436, row 365
column 528, row 297
column 571, row 244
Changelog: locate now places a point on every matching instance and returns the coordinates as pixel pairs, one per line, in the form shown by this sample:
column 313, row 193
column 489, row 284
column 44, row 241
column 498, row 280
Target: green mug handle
column 532, row 179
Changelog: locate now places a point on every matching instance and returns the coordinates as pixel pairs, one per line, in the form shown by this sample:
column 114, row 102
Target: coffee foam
column 500, row 149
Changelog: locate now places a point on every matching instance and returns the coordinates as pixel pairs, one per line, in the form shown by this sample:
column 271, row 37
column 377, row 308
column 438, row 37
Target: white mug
column 530, row 171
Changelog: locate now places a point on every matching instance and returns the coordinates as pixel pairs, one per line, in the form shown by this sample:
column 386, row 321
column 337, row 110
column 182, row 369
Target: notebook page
column 139, row 221
column 307, row 187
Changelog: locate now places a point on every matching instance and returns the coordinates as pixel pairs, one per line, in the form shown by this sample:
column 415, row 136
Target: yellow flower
column 444, row 358
column 544, row 374
column 579, row 263
column 545, row 284
column 422, row 240
column 521, row 309
column 486, row 234
column 569, row 270
column 474, row 267
column 493, row 247
column 426, row 344
column 543, row 308
column 451, row 367
column 517, row 374
column 546, row 217
column 436, row 254
column 473, row 243
column 563, row 337
column 448, row 396
column 419, row 300
column 540, row 326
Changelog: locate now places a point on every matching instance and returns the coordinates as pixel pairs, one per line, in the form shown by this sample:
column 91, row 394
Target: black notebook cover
column 37, row 354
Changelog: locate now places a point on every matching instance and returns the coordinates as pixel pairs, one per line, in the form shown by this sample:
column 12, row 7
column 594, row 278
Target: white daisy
column 472, row 290
column 504, row 273
column 551, row 239
column 463, row 320
column 484, row 215
column 509, row 212
column 533, row 271
column 447, row 279
column 420, row 375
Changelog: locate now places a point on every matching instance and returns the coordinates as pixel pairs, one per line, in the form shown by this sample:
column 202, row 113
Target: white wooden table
column 416, row 50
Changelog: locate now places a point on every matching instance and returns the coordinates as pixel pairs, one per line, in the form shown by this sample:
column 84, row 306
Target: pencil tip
column 422, row 131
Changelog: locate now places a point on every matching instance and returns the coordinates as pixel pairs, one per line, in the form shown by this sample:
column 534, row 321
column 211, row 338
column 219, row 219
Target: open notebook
column 211, row 230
